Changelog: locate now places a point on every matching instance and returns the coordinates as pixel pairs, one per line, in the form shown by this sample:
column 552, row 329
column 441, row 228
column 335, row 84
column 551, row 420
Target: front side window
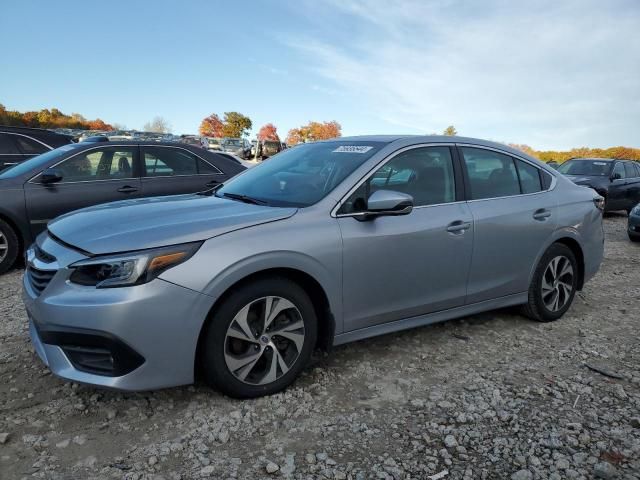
column 168, row 162
column 491, row 174
column 618, row 171
column 98, row 164
column 425, row 173
column 301, row 176
column 29, row 146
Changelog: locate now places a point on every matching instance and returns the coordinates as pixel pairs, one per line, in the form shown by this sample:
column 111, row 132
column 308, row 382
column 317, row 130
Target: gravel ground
column 489, row 396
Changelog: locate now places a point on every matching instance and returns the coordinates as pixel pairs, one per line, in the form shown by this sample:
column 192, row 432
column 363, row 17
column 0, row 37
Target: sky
column 549, row 74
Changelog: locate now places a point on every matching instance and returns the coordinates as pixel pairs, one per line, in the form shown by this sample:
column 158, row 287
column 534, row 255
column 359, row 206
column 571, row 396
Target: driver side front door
column 397, row 267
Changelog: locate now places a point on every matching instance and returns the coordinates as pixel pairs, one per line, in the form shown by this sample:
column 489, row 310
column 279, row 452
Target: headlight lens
column 133, row 268
column 636, row 210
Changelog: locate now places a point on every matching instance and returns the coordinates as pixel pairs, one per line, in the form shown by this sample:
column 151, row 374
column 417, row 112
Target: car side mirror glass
column 616, row 176
column 387, row 203
column 50, row 175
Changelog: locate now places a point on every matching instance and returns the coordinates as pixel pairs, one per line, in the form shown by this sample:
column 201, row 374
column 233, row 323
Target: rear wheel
column 634, row 238
column 9, row 246
column 554, row 284
column 260, row 338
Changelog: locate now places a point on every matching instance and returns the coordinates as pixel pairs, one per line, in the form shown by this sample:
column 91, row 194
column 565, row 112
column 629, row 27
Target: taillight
column 599, row 203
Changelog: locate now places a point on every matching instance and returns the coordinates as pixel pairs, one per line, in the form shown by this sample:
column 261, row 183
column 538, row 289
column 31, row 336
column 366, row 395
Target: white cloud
column 550, row 74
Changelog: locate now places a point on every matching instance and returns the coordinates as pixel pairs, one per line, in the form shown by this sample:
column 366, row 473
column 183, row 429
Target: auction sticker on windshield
column 352, row 149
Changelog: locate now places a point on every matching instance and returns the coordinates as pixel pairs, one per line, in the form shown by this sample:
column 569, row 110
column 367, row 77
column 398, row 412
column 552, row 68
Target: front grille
column 39, row 279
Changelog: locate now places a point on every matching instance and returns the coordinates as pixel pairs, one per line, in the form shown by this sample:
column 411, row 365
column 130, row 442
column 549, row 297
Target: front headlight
column 133, row 268
column 636, row 210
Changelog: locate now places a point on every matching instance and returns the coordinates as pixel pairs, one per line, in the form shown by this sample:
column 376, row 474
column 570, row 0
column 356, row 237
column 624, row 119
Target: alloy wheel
column 557, row 283
column 264, row 340
column 4, row 246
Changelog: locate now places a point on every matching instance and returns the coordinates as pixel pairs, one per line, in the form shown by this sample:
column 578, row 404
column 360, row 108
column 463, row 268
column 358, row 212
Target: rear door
column 94, row 176
column 174, row 170
column 10, row 154
column 514, row 216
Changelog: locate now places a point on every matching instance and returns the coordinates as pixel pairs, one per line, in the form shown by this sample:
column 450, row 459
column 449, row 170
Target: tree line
column 46, row 118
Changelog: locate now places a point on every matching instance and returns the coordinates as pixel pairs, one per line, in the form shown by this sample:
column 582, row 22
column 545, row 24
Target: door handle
column 541, row 214
column 458, row 226
column 127, row 189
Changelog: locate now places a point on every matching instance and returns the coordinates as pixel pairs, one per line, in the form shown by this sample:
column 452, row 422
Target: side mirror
column 50, row 175
column 387, row 203
column 615, row 176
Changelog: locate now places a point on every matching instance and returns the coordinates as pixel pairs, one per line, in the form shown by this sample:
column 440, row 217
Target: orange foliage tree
column 211, row 126
column 314, row 131
column 268, row 132
column 46, row 118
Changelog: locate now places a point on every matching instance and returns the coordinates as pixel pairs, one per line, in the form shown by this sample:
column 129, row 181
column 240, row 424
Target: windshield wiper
column 244, row 198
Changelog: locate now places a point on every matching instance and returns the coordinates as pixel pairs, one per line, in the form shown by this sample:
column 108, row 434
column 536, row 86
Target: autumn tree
column 157, row 125
column 450, row 131
column 211, row 126
column 235, row 125
column 314, row 131
column 46, row 118
column 268, row 132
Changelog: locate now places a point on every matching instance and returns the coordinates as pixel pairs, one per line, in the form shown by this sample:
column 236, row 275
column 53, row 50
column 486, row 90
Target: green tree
column 236, row 125
column 450, row 131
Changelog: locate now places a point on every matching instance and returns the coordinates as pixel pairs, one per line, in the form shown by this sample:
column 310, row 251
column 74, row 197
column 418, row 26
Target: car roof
column 30, row 131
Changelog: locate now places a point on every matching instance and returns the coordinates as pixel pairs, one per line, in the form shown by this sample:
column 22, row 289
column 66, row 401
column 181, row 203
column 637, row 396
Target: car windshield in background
column 589, row 168
column 37, row 162
column 301, row 176
column 233, row 143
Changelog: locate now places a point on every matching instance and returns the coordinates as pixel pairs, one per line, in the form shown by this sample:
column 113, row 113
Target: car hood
column 154, row 222
column 588, row 180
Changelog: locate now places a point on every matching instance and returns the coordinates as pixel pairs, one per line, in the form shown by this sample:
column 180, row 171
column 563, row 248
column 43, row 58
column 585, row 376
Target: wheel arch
column 20, row 233
column 313, row 288
column 570, row 238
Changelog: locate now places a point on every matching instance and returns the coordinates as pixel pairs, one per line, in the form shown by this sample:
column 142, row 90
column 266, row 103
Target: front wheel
column 260, row 338
column 554, row 284
column 634, row 238
column 9, row 246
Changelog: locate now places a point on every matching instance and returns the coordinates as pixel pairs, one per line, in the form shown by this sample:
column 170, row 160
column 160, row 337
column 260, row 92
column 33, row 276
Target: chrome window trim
column 381, row 163
column 75, row 155
column 102, row 145
column 552, row 186
column 28, row 136
column 177, row 147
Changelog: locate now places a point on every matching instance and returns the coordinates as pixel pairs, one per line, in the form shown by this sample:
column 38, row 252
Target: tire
column 225, row 344
column 634, row 238
column 541, row 305
column 9, row 246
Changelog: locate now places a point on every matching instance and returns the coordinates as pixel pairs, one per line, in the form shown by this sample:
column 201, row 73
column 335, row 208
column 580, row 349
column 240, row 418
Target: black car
column 18, row 144
column 634, row 224
column 83, row 174
column 618, row 181
column 270, row 148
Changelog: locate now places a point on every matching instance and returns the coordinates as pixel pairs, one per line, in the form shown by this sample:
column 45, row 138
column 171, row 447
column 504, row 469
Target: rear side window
column 491, row 174
column 546, row 180
column 168, row 162
column 629, row 170
column 29, row 146
column 637, row 167
column 7, row 145
column 529, row 177
column 207, row 168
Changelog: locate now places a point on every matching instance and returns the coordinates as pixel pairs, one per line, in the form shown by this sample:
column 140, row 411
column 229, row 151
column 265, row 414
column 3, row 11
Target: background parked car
column 238, row 146
column 270, row 148
column 83, row 174
column 18, row 144
column 634, row 224
column 618, row 181
column 215, row 143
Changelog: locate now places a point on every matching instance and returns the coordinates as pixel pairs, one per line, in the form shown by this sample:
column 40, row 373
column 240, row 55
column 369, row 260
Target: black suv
column 88, row 173
column 618, row 181
column 21, row 143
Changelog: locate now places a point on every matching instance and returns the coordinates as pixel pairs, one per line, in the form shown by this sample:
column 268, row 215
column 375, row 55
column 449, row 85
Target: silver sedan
column 326, row 243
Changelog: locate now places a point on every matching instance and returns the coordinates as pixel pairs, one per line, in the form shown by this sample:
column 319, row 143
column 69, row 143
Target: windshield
column 589, row 168
column 37, row 162
column 233, row 142
column 214, row 141
column 301, row 176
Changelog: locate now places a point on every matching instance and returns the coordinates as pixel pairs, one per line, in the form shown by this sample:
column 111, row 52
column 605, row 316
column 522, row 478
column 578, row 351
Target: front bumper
column 132, row 338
